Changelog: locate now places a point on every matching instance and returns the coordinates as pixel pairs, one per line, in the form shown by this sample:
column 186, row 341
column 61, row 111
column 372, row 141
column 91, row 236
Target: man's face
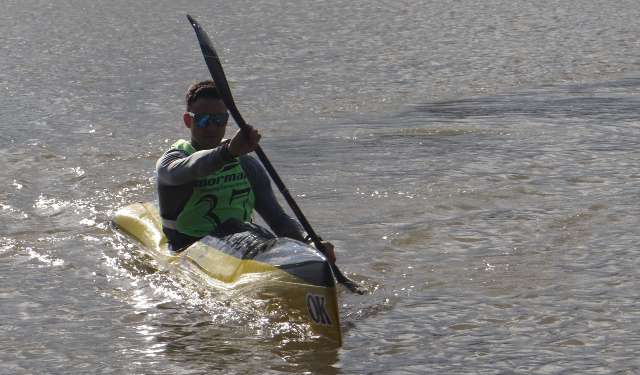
column 211, row 135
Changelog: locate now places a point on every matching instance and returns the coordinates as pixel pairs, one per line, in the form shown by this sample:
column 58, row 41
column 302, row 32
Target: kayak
column 295, row 274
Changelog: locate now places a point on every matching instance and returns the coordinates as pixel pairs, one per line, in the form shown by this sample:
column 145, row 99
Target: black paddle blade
column 215, row 68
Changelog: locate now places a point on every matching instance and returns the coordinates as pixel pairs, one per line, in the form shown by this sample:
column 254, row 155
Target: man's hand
column 329, row 251
column 244, row 141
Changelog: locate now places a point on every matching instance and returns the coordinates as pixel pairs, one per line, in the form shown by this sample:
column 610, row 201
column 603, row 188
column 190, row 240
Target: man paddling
column 210, row 185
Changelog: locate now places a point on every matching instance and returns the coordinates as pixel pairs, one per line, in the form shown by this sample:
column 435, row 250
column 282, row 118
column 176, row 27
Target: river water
column 476, row 164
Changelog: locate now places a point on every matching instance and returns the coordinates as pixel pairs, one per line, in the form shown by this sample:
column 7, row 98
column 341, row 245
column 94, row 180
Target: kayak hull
column 288, row 272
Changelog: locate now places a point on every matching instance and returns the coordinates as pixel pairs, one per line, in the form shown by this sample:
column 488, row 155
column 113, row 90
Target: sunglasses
column 205, row 119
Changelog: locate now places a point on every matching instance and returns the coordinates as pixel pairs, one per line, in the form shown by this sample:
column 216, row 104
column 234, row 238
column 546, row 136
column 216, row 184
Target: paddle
column 215, row 68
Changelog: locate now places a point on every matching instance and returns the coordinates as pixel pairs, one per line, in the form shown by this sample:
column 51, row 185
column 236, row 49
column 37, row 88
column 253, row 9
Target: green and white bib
column 217, row 197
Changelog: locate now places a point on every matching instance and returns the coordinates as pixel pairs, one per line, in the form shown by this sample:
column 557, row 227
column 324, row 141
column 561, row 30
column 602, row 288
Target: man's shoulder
column 181, row 146
column 175, row 151
column 169, row 156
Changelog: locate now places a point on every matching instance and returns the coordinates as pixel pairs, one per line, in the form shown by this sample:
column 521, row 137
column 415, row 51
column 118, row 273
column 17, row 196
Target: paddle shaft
column 278, row 181
column 317, row 241
column 217, row 73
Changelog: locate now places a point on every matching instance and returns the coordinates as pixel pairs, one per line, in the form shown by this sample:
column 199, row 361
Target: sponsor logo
column 220, row 179
column 316, row 304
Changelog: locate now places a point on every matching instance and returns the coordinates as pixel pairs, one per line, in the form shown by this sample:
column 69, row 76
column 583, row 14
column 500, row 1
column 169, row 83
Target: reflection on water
column 184, row 316
column 183, row 320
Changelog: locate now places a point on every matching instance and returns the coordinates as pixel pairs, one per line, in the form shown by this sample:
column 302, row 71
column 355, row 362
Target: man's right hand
column 244, row 141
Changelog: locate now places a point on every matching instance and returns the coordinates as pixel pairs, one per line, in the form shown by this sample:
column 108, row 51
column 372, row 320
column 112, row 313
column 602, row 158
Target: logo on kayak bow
column 316, row 304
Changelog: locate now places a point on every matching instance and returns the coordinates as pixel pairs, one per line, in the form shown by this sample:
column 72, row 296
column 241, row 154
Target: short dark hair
column 202, row 89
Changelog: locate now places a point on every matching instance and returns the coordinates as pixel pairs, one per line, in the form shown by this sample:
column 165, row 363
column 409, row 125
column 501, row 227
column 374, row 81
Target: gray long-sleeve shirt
column 177, row 171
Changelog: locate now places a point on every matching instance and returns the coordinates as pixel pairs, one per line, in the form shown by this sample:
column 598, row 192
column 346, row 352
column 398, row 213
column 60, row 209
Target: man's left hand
column 329, row 251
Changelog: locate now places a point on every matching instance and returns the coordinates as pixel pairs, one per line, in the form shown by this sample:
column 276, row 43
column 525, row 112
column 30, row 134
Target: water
column 476, row 165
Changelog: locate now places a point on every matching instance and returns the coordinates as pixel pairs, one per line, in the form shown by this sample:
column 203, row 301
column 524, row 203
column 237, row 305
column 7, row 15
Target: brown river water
column 476, row 165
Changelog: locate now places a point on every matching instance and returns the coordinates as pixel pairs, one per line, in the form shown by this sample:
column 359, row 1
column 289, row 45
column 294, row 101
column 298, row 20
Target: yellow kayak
column 294, row 273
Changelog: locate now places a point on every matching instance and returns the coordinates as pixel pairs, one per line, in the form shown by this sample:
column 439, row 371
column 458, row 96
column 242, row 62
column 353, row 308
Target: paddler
column 210, row 185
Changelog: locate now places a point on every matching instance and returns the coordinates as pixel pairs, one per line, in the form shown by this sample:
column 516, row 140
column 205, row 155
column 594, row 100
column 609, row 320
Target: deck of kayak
column 295, row 274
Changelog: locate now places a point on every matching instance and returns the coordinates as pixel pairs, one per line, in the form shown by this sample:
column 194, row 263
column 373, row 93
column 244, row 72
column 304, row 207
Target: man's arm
column 270, row 210
column 177, row 168
column 267, row 205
